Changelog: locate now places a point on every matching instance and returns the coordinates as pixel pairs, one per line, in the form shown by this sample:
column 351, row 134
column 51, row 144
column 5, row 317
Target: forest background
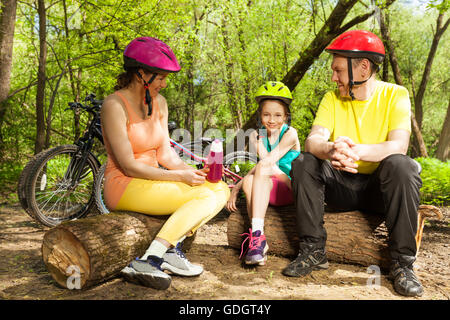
column 55, row 52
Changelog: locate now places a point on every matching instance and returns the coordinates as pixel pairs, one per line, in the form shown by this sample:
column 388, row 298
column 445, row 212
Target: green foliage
column 436, row 181
column 227, row 49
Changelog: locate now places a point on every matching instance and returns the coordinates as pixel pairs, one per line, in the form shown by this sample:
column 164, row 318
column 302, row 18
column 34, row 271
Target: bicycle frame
column 74, row 170
column 235, row 177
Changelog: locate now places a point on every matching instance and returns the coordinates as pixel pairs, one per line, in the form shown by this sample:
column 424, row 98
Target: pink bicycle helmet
column 151, row 54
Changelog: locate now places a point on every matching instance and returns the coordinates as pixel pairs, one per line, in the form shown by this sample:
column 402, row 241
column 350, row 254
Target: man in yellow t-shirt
column 356, row 159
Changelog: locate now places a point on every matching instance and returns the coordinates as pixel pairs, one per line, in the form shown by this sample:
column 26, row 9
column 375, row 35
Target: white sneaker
column 176, row 262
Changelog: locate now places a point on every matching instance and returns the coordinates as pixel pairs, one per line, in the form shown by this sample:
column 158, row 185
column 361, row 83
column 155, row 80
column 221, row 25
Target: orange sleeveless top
column 145, row 136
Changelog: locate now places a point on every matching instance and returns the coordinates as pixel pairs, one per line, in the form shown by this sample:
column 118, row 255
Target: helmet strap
column 148, row 98
column 350, row 78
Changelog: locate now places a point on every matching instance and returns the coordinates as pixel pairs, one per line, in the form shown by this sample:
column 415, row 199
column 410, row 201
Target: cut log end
column 65, row 257
column 82, row 253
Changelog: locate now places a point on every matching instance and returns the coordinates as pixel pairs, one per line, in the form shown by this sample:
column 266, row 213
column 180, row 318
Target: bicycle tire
column 98, row 191
column 40, row 191
column 21, row 194
column 239, row 162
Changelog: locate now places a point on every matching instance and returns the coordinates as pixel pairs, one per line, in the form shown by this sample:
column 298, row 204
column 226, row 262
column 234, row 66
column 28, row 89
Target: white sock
column 258, row 224
column 181, row 239
column 156, row 249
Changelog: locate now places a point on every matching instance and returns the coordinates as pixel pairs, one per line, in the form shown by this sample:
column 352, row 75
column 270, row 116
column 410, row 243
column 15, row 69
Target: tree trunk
column 95, row 249
column 40, row 91
column 229, row 69
column 398, row 79
column 330, row 30
column 353, row 237
column 440, row 29
column 443, row 149
column 7, row 25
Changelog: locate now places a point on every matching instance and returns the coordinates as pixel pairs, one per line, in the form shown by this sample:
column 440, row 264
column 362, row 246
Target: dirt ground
column 23, row 274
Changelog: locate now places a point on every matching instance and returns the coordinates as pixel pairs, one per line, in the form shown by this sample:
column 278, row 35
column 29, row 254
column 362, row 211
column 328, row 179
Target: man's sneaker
column 257, row 248
column 176, row 262
column 147, row 273
column 405, row 281
column 310, row 257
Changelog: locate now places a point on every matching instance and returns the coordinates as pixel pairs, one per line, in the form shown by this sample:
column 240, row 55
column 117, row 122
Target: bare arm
column 397, row 142
column 339, row 152
column 288, row 141
column 114, row 122
column 165, row 154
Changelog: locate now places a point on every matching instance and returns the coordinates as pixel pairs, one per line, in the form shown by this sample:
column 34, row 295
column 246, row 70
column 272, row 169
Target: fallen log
column 353, row 237
column 82, row 253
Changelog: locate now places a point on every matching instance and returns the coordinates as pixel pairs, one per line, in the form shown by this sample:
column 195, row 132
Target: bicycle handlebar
column 93, row 108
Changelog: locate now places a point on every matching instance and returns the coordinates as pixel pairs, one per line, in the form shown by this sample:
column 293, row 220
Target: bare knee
column 247, row 184
column 264, row 169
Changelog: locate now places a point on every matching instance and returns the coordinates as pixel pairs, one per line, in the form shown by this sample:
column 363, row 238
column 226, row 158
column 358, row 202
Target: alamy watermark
column 374, row 280
column 74, row 280
column 234, row 140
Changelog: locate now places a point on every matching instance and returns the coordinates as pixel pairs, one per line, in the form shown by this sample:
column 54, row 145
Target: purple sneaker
column 257, row 248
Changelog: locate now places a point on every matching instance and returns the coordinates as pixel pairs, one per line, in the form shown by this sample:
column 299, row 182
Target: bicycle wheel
column 53, row 192
column 21, row 194
column 98, row 190
column 239, row 163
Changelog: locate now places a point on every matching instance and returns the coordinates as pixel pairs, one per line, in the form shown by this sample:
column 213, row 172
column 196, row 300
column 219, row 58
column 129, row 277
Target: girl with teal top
column 268, row 182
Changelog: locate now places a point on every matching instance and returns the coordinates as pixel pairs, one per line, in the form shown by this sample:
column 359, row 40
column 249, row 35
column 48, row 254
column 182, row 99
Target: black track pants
column 392, row 190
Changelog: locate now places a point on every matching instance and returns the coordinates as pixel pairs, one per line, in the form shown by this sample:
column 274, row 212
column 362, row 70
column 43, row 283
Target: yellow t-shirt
column 366, row 122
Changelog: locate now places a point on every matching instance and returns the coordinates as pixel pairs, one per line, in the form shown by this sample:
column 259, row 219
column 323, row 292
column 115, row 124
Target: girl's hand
column 231, row 203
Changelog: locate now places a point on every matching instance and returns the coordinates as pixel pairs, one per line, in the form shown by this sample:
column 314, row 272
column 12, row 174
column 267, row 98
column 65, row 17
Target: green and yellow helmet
column 274, row 90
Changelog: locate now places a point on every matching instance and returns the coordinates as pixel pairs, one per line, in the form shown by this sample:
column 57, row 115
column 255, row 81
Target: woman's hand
column 193, row 177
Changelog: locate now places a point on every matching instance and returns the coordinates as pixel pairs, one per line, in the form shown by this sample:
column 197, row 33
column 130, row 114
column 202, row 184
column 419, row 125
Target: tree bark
column 330, row 30
column 418, row 101
column 40, row 91
column 353, row 237
column 7, row 26
column 398, row 79
column 443, row 149
column 95, row 249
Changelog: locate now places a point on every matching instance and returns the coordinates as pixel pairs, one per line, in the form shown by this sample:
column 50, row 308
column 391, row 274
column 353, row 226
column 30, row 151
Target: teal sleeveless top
column 285, row 162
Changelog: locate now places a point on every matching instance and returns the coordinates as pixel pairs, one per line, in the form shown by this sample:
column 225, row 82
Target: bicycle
column 234, row 163
column 59, row 184
column 56, row 184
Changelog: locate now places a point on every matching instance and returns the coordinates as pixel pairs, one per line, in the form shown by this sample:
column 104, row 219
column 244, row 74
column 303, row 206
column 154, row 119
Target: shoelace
column 178, row 251
column 253, row 242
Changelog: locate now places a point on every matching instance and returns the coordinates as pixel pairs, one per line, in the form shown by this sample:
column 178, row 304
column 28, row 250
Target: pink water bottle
column 215, row 161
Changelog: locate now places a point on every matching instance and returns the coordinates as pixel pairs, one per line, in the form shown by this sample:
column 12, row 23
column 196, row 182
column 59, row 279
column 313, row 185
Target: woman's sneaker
column 176, row 262
column 257, row 248
column 147, row 273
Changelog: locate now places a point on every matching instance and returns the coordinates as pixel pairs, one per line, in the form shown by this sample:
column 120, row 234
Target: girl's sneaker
column 257, row 248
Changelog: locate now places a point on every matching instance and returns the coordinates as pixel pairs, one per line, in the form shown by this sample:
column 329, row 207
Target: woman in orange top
column 134, row 124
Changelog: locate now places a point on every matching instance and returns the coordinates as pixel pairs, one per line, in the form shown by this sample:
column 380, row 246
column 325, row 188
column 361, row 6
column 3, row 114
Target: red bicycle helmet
column 358, row 44
column 151, row 54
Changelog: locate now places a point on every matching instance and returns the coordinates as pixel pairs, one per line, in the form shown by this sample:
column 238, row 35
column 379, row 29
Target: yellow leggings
column 189, row 207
